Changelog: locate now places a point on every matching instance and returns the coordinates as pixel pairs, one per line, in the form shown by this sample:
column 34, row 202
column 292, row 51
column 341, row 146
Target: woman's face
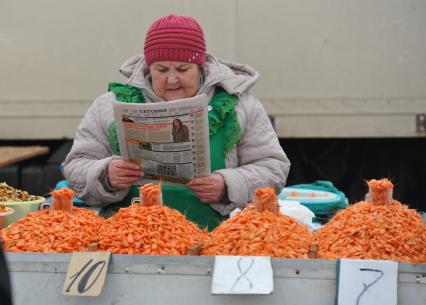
column 176, row 123
column 172, row 80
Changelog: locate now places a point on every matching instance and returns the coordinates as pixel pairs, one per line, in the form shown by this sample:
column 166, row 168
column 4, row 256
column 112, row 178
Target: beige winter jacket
column 256, row 161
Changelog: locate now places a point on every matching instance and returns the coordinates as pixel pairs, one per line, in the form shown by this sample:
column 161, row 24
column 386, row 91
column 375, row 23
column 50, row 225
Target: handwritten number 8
column 82, row 285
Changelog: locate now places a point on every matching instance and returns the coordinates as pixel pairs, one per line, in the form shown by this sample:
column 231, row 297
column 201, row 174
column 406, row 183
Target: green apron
column 224, row 132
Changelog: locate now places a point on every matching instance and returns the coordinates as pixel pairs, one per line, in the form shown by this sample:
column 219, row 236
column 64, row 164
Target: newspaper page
column 170, row 140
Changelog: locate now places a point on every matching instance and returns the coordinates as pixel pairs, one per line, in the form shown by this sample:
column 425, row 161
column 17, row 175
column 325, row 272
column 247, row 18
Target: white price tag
column 242, row 275
column 86, row 273
column 366, row 282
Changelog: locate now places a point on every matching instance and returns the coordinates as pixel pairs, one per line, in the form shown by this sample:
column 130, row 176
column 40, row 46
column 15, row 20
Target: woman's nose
column 172, row 78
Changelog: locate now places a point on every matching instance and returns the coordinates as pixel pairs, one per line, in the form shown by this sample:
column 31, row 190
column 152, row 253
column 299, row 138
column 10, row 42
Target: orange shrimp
column 53, row 231
column 266, row 200
column 374, row 230
column 62, row 199
column 260, row 230
column 150, row 194
column 152, row 230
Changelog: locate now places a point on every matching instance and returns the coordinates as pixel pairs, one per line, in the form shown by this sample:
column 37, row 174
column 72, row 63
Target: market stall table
column 137, row 279
column 12, row 154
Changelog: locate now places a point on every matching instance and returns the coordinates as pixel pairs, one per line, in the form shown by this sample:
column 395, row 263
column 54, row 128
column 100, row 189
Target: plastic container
column 22, row 208
column 324, row 204
column 4, row 215
column 155, row 191
column 380, row 192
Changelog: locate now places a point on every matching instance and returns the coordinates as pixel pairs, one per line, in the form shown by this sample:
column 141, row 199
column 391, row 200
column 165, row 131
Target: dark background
column 345, row 162
column 348, row 163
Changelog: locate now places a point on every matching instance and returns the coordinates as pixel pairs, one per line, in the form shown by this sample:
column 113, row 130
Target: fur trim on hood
column 233, row 77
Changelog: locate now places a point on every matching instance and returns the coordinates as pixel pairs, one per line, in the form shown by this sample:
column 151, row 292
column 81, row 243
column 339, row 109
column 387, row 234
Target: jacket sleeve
column 86, row 165
column 261, row 160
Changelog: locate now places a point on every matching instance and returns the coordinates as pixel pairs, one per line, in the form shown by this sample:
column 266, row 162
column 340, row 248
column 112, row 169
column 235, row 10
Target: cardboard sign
column 242, row 275
column 86, row 273
column 366, row 282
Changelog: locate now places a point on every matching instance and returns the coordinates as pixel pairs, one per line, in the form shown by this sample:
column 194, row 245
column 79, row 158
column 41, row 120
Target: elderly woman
column 245, row 151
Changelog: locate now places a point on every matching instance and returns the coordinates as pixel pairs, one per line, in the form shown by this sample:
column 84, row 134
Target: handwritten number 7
column 367, row 286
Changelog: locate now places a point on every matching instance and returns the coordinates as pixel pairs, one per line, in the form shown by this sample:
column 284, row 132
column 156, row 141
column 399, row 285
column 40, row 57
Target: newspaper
column 170, row 140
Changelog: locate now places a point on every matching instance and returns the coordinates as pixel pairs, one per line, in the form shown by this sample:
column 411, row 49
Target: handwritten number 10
column 82, row 285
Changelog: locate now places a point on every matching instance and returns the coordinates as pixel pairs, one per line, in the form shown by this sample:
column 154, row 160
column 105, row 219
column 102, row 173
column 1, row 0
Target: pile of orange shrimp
column 149, row 229
column 374, row 230
column 260, row 230
column 66, row 229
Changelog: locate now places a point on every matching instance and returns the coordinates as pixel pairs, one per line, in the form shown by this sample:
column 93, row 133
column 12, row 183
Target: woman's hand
column 211, row 188
column 122, row 174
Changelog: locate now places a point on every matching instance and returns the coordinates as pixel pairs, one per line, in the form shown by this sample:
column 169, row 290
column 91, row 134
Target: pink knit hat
column 175, row 38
